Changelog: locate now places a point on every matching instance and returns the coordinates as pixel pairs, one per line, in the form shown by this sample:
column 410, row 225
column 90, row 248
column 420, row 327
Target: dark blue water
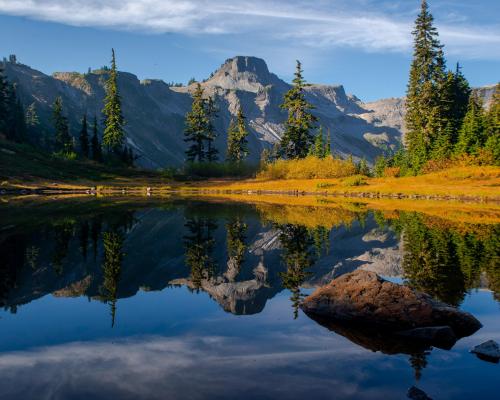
column 189, row 300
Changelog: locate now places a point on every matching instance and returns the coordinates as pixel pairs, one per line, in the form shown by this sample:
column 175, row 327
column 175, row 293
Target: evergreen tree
column 113, row 119
column 297, row 137
column 211, row 134
column 328, row 145
column 84, row 138
column 4, row 88
column 63, row 141
column 461, row 100
column 12, row 118
column 318, row 149
column 472, row 134
column 445, row 121
column 31, row 117
column 427, row 73
column 94, row 144
column 237, row 144
column 196, row 127
column 493, row 126
column 131, row 157
column 363, row 168
column 18, row 126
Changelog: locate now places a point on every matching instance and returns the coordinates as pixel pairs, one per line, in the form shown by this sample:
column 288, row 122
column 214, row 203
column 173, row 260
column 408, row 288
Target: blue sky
column 363, row 44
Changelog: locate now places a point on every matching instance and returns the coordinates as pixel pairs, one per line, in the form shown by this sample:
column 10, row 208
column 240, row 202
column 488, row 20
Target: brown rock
column 364, row 298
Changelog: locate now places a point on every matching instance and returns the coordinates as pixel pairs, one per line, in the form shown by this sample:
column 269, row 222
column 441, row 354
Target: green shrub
column 66, row 155
column 355, row 180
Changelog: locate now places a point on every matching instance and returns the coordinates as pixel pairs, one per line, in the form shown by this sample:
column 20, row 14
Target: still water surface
column 200, row 300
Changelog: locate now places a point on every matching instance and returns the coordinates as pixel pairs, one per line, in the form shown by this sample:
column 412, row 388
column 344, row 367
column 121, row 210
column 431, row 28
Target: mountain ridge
column 155, row 111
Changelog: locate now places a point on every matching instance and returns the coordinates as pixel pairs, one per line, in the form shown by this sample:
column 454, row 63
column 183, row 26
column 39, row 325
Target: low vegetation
column 310, row 167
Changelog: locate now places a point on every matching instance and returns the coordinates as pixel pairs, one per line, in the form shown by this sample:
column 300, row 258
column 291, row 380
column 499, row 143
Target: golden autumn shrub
column 392, row 172
column 308, row 168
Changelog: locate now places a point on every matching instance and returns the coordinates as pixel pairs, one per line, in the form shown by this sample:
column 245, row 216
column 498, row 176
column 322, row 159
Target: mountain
column 154, row 111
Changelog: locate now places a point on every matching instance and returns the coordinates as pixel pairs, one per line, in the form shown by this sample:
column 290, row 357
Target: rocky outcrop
column 488, row 351
column 365, row 299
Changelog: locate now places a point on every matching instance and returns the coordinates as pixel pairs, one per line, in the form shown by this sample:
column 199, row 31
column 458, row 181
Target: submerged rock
column 415, row 393
column 488, row 351
column 440, row 336
column 364, row 298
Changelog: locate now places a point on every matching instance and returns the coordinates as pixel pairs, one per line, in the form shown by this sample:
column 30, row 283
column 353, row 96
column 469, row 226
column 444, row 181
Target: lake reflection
column 191, row 299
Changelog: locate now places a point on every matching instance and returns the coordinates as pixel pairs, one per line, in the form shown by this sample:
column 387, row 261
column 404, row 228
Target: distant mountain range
column 155, row 111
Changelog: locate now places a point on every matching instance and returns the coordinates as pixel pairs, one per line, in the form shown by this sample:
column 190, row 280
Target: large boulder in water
column 365, row 299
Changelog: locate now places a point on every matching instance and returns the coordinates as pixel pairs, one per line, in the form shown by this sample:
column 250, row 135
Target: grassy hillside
column 22, row 165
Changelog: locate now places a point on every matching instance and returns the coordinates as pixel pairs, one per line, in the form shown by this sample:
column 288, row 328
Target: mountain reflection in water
column 255, row 260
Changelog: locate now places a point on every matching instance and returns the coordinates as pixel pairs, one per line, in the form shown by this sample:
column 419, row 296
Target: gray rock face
column 488, row 351
column 363, row 298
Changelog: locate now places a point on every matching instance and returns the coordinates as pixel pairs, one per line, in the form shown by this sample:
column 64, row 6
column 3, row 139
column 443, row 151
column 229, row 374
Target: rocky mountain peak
column 244, row 73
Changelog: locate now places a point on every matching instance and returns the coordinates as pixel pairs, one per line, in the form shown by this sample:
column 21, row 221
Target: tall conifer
column 427, row 73
column 297, row 137
column 237, row 148
column 196, row 129
column 211, row 133
column 84, row 138
column 493, row 126
column 114, row 134
column 94, row 144
column 63, row 140
column 472, row 134
column 4, row 87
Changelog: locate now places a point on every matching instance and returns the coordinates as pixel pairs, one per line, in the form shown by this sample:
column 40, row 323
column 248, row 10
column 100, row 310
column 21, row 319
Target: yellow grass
column 472, row 182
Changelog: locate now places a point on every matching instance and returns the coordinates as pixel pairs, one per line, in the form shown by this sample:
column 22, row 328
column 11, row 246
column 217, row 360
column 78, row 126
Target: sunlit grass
column 473, row 181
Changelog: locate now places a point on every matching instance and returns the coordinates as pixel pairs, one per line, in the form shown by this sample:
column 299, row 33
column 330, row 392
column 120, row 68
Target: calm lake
column 186, row 299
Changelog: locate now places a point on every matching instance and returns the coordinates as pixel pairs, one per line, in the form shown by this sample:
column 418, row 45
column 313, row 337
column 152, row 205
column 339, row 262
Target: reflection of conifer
column 445, row 261
column 418, row 362
column 32, row 253
column 95, row 232
column 236, row 243
column 199, row 245
column 63, row 234
column 84, row 239
column 13, row 251
column 113, row 257
column 296, row 241
column 321, row 239
column 430, row 261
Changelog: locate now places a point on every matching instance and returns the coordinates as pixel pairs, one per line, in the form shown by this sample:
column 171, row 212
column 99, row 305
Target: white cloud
column 323, row 24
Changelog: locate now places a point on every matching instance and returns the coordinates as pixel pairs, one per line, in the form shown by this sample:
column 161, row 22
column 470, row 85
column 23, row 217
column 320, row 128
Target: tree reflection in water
column 199, row 244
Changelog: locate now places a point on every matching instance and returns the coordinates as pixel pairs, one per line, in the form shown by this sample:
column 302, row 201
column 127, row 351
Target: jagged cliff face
column 155, row 112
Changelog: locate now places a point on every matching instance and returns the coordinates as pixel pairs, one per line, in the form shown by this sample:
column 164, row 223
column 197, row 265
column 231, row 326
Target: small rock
column 488, row 351
column 415, row 393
